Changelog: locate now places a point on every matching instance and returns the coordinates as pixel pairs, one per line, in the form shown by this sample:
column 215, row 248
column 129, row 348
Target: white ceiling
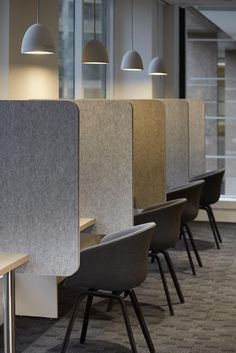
column 213, row 3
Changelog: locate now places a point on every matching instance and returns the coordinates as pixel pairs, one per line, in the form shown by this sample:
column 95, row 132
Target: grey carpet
column 206, row 323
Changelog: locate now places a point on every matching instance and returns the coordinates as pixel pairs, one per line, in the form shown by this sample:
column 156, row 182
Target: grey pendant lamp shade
column 132, row 60
column 37, row 39
column 157, row 67
column 94, row 51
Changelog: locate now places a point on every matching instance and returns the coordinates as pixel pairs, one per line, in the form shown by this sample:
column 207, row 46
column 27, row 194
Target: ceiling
column 222, row 13
column 212, row 3
column 223, row 19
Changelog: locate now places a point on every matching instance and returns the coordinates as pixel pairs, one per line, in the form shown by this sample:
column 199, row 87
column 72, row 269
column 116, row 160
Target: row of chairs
column 118, row 264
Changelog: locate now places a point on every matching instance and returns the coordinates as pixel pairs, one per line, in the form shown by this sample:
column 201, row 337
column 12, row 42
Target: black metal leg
column 193, row 244
column 141, row 320
column 86, row 319
column 215, row 224
column 173, row 275
column 188, row 252
column 212, row 227
column 163, row 278
column 111, row 302
column 71, row 323
column 127, row 324
column 109, row 305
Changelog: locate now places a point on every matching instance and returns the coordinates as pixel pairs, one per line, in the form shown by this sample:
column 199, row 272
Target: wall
column 27, row 76
column 171, row 50
column 4, row 47
column 132, row 84
column 155, row 33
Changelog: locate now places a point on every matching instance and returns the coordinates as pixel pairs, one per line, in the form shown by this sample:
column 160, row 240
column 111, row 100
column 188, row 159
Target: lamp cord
column 37, row 11
column 94, row 18
column 132, row 25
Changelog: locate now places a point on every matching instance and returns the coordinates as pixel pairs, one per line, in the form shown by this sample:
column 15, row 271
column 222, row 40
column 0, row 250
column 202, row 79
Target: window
column 76, row 28
column 211, row 76
column 66, row 48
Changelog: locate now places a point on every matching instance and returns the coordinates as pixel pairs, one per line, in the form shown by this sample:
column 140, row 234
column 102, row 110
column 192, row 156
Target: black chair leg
column 215, row 224
column 212, row 227
column 86, row 319
column 163, row 278
column 71, row 322
column 141, row 320
column 127, row 324
column 188, row 253
column 111, row 302
column 173, row 276
column 190, row 235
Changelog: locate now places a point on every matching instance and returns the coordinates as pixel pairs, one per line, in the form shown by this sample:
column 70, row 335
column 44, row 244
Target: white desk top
column 10, row 261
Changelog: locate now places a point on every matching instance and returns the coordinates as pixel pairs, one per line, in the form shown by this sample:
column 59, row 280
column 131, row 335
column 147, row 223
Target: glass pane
column 211, row 76
column 66, row 48
column 94, row 76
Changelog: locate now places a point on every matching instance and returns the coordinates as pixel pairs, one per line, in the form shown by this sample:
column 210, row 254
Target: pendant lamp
column 132, row 61
column 156, row 66
column 37, row 39
column 94, row 51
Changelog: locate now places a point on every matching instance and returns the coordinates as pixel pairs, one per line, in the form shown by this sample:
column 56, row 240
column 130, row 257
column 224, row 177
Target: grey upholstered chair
column 116, row 265
column 210, row 194
column 167, row 216
column 192, row 192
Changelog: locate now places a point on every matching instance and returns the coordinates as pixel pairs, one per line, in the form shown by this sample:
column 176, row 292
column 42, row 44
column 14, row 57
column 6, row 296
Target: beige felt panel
column 177, row 142
column 197, row 144
column 106, row 191
column 149, row 138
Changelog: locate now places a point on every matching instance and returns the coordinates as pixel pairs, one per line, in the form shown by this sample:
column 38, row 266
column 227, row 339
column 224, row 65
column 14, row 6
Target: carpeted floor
column 206, row 323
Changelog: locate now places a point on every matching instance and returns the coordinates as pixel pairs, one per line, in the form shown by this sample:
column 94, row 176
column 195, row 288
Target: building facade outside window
column 76, row 27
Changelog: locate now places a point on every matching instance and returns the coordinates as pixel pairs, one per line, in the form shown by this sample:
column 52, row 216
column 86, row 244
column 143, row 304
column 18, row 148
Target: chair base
column 190, row 235
column 182, row 233
column 154, row 256
column 213, row 224
column 116, row 296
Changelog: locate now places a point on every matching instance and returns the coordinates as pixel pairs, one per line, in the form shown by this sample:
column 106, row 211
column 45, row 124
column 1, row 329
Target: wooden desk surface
column 87, row 240
column 85, row 223
column 10, row 261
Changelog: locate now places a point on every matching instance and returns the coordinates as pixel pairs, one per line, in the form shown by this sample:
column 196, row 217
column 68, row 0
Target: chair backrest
column 192, row 192
column 167, row 217
column 117, row 263
column 212, row 188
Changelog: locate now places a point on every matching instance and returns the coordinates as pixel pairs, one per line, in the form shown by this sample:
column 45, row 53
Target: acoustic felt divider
column 177, row 142
column 197, row 138
column 39, row 159
column 149, row 143
column 106, row 187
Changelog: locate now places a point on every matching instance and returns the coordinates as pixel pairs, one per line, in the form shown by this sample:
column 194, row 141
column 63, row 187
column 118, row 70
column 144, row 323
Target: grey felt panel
column 39, row 148
column 176, row 142
column 197, row 144
column 149, row 136
column 106, row 163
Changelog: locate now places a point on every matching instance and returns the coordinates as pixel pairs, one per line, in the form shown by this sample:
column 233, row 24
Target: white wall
column 27, row 76
column 155, row 34
column 133, row 84
column 171, row 50
column 4, row 48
